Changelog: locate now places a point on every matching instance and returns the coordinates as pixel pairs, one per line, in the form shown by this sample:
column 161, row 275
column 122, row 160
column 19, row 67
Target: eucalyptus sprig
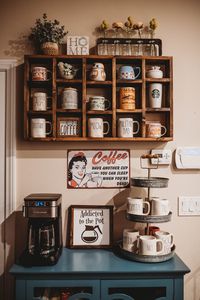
column 47, row 31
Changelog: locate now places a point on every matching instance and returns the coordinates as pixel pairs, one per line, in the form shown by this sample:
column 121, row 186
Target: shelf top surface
column 100, row 261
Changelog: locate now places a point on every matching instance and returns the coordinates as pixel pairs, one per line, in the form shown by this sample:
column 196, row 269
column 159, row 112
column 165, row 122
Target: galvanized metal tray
column 118, row 250
column 150, row 182
column 149, row 218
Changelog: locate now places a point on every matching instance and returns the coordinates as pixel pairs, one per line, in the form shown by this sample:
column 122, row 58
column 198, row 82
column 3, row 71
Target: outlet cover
column 189, row 206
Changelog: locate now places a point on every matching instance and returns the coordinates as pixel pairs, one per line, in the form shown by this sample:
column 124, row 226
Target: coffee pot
column 97, row 72
column 90, row 235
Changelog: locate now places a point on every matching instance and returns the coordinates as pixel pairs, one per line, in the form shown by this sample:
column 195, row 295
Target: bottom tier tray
column 118, row 250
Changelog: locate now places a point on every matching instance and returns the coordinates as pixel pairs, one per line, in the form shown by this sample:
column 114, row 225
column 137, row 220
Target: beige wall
column 42, row 167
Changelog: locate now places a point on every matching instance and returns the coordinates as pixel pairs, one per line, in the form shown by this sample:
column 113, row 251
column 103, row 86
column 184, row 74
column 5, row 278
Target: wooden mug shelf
column 108, row 89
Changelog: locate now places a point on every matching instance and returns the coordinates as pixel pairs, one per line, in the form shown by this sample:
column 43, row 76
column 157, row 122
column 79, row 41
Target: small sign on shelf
column 68, row 127
column 77, row 45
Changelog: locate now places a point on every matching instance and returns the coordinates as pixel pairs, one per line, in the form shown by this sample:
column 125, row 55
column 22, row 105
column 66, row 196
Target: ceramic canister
column 127, row 98
column 70, row 98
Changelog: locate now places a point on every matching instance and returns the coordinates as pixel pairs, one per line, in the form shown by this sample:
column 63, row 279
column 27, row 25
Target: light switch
column 189, row 206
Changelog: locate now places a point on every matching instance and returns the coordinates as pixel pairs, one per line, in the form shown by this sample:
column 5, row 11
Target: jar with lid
column 70, row 98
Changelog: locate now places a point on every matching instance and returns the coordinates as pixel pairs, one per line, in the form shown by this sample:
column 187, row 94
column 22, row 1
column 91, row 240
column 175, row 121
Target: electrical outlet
column 189, row 206
column 165, row 157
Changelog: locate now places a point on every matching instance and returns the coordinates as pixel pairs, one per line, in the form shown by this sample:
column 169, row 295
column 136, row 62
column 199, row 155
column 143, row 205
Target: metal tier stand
column 147, row 182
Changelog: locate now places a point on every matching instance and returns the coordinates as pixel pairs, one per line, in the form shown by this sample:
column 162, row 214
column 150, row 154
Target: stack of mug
column 156, row 242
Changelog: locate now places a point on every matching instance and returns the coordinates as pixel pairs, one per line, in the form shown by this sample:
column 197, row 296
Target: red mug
column 152, row 230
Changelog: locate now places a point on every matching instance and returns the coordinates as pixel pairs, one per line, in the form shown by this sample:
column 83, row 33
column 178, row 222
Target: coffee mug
column 127, row 98
column 40, row 74
column 168, row 240
column 129, row 72
column 154, row 130
column 151, row 230
column 69, row 98
column 38, row 128
column 40, row 101
column 159, row 207
column 149, row 245
column 155, row 95
column 99, row 103
column 125, row 127
column 130, row 239
column 96, row 127
column 137, row 206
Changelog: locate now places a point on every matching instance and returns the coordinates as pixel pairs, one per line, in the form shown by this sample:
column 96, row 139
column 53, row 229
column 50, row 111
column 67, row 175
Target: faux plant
column 47, row 31
column 104, row 27
column 153, row 24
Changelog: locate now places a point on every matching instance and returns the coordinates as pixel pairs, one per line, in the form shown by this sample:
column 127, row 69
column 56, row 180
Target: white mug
column 38, row 128
column 168, row 240
column 155, row 95
column 149, row 245
column 154, row 130
column 40, row 101
column 70, row 98
column 40, row 74
column 99, row 103
column 125, row 127
column 96, row 127
column 137, row 206
column 130, row 239
column 159, row 207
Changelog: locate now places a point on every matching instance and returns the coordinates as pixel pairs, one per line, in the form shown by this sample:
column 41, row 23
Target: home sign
column 77, row 45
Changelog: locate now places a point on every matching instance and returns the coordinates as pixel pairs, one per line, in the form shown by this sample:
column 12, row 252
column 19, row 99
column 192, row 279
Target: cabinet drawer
column 138, row 289
column 77, row 289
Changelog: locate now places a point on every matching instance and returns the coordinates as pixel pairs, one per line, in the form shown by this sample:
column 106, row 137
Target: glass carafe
column 46, row 239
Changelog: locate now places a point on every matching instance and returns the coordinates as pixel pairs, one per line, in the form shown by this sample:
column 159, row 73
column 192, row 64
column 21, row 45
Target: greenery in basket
column 47, row 31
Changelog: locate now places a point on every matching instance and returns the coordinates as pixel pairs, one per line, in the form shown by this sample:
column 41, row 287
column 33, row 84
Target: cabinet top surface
column 98, row 261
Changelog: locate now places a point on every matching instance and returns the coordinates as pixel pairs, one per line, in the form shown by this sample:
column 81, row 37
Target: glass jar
column 111, row 49
column 117, row 47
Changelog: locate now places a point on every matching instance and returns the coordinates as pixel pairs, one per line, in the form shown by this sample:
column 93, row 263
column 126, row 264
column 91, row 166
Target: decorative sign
column 77, row 45
column 91, row 226
column 98, row 168
column 68, row 127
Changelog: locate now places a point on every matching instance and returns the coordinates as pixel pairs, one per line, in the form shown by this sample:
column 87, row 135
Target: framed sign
column 91, row 226
column 77, row 45
column 68, row 127
column 98, row 168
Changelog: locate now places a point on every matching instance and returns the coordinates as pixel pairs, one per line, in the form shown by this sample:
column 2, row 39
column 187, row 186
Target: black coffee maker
column 44, row 238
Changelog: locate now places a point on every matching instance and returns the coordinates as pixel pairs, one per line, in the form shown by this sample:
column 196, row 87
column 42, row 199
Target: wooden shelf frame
column 143, row 112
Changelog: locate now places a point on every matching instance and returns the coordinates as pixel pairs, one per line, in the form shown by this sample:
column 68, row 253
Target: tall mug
column 155, row 95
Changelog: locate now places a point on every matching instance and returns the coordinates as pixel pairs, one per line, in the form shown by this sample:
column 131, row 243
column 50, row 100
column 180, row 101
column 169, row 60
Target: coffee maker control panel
column 42, row 205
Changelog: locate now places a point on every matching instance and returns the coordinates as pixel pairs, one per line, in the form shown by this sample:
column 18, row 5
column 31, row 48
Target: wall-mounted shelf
column 109, row 89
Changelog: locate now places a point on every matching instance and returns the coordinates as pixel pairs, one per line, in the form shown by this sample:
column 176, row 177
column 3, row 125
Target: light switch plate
column 189, row 206
column 165, row 157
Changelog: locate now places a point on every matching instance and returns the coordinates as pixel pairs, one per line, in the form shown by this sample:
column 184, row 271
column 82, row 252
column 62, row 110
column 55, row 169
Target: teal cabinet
column 95, row 274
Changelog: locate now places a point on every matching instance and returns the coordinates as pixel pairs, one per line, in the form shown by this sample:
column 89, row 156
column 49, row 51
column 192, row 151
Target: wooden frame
column 73, row 131
column 90, row 226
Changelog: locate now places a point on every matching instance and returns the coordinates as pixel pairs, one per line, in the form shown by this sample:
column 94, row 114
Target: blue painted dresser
column 98, row 274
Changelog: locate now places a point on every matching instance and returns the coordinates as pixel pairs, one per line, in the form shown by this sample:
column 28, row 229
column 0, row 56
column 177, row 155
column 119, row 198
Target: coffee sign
column 98, row 168
column 77, row 45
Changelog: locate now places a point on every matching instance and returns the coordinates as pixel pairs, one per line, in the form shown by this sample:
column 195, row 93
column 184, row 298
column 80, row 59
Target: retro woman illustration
column 77, row 176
